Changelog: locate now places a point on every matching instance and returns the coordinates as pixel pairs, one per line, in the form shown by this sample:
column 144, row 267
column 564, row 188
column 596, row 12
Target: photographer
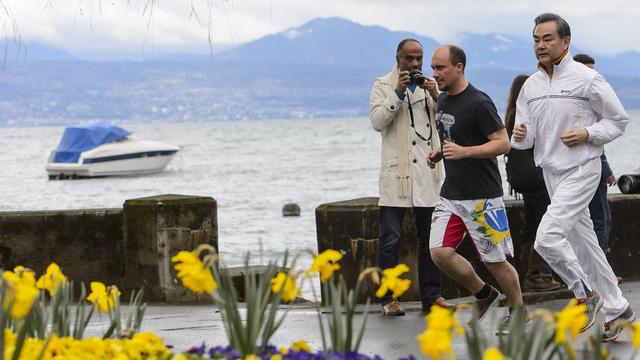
column 402, row 109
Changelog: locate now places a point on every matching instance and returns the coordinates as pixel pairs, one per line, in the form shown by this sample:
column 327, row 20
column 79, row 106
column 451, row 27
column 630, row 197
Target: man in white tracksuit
column 402, row 109
column 569, row 112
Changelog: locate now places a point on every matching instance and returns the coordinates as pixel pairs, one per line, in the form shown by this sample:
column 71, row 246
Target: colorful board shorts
column 484, row 220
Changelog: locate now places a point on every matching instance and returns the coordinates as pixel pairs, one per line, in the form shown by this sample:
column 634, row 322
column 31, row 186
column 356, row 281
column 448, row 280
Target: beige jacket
column 405, row 178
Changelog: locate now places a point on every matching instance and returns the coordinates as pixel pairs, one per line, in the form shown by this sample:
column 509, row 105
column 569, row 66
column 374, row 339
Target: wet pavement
column 389, row 337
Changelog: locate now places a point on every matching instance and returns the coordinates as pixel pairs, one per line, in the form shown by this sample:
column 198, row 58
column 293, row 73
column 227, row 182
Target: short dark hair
column 457, row 55
column 585, row 59
column 561, row 24
column 401, row 45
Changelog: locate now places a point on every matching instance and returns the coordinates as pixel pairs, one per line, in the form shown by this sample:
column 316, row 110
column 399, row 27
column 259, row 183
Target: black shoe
column 481, row 306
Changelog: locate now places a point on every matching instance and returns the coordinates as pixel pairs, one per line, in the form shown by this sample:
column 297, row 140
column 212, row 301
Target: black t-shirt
column 467, row 119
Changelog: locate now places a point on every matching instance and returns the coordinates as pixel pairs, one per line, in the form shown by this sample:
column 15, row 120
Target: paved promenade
column 391, row 338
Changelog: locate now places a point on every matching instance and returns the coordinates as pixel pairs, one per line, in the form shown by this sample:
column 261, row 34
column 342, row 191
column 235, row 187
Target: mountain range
column 324, row 68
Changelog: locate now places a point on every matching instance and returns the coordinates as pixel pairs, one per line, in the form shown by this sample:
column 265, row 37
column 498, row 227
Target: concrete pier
column 132, row 247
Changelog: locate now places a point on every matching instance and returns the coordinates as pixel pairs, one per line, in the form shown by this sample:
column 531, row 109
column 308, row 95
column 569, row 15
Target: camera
column 629, row 184
column 417, row 76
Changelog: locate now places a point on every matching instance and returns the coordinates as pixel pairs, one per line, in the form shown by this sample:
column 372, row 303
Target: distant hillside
column 333, row 41
column 341, row 42
column 324, row 68
column 17, row 51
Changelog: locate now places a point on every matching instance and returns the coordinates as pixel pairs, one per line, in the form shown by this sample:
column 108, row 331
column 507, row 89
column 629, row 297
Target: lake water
column 251, row 168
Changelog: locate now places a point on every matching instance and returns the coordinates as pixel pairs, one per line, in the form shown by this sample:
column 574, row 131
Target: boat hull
column 117, row 159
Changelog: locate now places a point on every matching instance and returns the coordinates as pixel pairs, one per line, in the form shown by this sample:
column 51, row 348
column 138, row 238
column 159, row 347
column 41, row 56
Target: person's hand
column 575, row 137
column 453, row 151
column 433, row 157
column 430, row 86
column 519, row 132
column 403, row 81
column 611, row 180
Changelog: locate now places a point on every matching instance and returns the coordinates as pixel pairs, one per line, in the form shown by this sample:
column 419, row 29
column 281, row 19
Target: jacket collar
column 559, row 65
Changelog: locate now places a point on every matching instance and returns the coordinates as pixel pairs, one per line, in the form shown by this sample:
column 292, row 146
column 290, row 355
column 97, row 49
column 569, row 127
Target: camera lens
column 629, row 184
column 417, row 76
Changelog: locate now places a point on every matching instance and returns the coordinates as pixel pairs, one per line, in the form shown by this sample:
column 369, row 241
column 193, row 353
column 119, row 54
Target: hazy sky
column 90, row 28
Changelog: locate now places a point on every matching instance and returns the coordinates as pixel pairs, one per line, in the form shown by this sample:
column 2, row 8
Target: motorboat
column 102, row 149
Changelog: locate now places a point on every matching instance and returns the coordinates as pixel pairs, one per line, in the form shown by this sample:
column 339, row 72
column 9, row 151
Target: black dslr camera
column 417, row 76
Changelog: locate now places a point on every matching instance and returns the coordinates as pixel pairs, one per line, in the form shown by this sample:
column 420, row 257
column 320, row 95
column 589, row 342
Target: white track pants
column 567, row 241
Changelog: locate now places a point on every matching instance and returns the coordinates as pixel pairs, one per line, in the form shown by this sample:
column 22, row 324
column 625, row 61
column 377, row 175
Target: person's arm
column 498, row 144
column 433, row 158
column 606, row 104
column 383, row 105
column 385, row 102
column 607, row 172
column 430, row 86
column 524, row 132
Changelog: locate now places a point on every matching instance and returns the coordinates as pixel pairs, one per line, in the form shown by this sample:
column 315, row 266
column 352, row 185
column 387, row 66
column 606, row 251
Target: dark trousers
column 535, row 205
column 601, row 215
column 390, row 229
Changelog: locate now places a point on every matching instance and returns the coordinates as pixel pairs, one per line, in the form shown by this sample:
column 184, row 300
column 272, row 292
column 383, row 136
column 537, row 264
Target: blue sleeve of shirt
column 606, row 169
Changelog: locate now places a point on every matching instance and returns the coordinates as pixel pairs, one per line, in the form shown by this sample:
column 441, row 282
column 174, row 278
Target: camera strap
column 426, row 108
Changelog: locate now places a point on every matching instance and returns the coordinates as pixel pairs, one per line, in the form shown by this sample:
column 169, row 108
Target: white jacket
column 576, row 97
column 390, row 116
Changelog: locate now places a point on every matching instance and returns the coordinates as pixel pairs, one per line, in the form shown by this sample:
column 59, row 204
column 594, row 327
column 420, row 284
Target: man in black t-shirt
column 471, row 204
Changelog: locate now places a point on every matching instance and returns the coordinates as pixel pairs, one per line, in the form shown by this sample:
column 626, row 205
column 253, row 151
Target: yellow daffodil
column 252, row 357
column 52, row 279
column 21, row 291
column 636, row 335
column 290, row 290
column 9, row 343
column 436, row 344
column 141, row 346
column 391, row 281
column 300, row 345
column 194, row 275
column 441, row 319
column 492, row 354
column 571, row 319
column 104, row 298
column 436, row 340
column 325, row 264
column 179, row 357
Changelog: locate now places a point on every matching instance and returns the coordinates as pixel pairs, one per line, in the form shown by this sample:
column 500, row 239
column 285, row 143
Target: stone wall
column 352, row 226
column 131, row 248
column 87, row 244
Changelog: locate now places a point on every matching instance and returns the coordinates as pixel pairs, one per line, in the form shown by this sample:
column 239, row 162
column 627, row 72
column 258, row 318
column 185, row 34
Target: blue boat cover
column 81, row 138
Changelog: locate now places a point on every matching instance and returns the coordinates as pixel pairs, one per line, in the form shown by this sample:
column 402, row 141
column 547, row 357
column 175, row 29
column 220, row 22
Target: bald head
column 448, row 63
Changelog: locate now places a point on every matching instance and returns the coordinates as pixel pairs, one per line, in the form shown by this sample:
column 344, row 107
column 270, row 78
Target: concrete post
column 352, row 227
column 155, row 229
